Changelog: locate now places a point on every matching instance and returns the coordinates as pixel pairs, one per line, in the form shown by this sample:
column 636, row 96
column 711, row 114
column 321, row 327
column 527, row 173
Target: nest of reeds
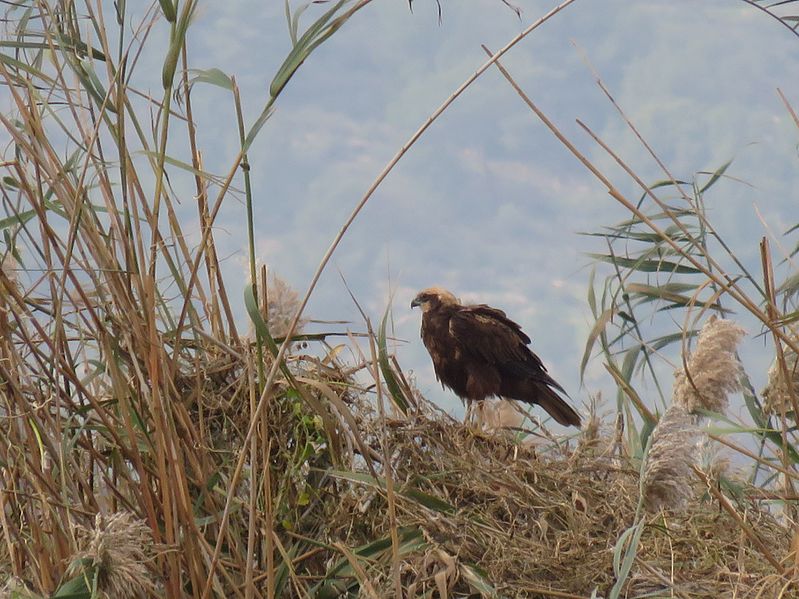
column 342, row 497
column 486, row 513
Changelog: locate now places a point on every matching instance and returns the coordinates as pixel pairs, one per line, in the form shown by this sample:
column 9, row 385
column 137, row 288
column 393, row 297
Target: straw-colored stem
column 245, row 167
column 265, row 395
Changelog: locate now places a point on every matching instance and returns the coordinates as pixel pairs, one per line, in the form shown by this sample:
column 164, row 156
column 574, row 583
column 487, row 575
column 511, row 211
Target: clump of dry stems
column 526, row 522
column 126, row 388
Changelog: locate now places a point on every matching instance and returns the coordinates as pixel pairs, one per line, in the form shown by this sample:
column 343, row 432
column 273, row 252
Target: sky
column 488, row 203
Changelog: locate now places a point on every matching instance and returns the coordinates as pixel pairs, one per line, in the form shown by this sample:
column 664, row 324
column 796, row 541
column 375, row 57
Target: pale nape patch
column 443, row 295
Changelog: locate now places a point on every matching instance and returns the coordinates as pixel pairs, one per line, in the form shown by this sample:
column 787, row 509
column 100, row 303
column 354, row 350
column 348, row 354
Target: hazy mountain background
column 488, row 203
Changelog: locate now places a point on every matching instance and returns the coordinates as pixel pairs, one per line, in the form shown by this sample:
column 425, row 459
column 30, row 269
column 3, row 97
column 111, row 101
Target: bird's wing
column 489, row 334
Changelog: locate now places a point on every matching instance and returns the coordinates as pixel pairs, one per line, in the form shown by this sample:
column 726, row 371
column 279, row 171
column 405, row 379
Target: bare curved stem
column 270, row 380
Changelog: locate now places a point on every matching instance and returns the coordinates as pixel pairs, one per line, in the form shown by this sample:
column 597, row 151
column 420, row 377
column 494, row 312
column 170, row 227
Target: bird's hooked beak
column 415, row 303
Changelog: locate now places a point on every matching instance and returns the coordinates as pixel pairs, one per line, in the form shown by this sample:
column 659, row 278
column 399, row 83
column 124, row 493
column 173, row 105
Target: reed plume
column 711, row 372
column 666, row 482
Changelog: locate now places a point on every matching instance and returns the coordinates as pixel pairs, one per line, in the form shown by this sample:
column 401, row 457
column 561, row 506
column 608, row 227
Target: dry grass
column 144, row 449
column 475, row 512
column 539, row 525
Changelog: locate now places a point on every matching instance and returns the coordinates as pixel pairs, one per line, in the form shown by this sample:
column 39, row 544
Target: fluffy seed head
column 777, row 393
column 712, row 370
column 590, row 433
column 667, row 475
column 715, row 465
column 282, row 301
column 282, row 304
column 7, row 265
column 118, row 549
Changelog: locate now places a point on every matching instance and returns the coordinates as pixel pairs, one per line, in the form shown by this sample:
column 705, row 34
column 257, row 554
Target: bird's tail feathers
column 556, row 406
column 535, row 391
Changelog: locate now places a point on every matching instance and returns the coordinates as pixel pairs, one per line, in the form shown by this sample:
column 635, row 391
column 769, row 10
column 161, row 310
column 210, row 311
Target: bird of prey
column 479, row 352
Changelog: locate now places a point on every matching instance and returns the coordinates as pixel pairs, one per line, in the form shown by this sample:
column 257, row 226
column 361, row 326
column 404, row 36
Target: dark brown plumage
column 479, row 352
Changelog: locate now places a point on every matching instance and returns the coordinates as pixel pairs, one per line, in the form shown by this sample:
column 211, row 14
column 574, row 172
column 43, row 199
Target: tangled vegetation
column 149, row 448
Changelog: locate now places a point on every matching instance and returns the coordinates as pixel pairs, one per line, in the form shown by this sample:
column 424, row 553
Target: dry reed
column 537, row 526
column 126, row 389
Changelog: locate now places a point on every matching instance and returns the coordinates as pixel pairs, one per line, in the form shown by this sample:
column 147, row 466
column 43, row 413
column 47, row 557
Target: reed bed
column 152, row 446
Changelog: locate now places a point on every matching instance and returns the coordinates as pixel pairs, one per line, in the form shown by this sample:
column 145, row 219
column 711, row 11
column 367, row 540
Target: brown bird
column 479, row 352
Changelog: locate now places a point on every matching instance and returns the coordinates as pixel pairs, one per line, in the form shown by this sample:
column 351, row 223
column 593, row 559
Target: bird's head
column 433, row 297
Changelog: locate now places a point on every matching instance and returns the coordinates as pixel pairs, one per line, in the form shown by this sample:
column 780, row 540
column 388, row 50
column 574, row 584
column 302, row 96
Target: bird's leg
column 469, row 413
